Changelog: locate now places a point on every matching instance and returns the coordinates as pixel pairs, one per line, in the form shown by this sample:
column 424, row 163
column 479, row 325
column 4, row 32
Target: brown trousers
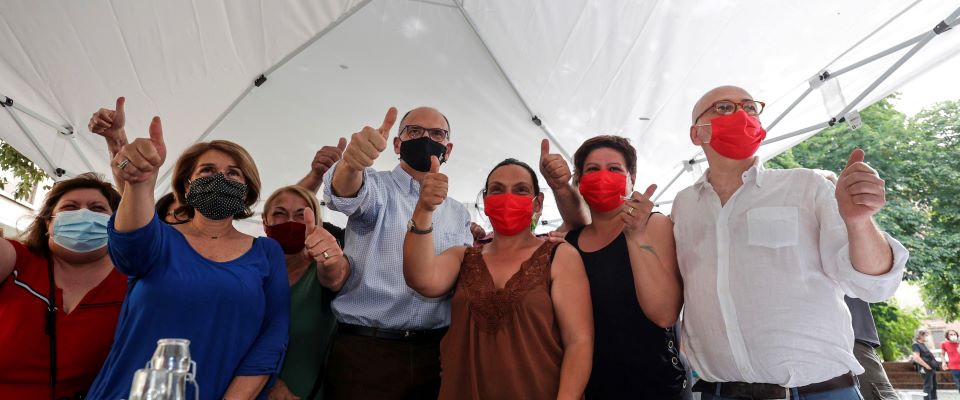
column 874, row 384
column 364, row 368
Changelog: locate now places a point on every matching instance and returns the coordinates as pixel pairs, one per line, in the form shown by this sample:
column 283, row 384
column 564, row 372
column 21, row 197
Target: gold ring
column 630, row 210
column 123, row 163
column 325, row 255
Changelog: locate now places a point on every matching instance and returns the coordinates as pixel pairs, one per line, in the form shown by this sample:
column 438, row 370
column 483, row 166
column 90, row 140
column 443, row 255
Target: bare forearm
column 575, row 370
column 245, row 387
column 658, row 288
column 311, row 182
column 136, row 206
column 334, row 276
column 869, row 251
column 346, row 181
column 114, row 146
column 572, row 208
column 418, row 257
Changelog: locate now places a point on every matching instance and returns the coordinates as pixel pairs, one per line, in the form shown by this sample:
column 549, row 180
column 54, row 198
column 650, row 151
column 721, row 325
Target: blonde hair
column 305, row 194
column 188, row 162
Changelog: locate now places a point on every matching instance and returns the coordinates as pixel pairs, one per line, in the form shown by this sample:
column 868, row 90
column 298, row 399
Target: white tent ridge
column 506, row 73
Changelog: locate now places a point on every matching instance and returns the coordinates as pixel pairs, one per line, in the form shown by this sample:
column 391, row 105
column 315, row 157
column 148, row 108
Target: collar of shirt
column 753, row 174
column 405, row 181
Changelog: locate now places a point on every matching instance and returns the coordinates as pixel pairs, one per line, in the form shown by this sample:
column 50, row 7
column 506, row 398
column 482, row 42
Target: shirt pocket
column 773, row 227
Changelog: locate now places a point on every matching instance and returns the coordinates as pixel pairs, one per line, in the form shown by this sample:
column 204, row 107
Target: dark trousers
column 874, row 384
column 364, row 368
column 930, row 384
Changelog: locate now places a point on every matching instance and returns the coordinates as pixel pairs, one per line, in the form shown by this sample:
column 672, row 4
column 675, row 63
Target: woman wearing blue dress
column 203, row 280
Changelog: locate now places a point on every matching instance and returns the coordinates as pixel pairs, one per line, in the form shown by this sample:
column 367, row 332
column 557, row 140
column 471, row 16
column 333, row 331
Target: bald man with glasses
column 766, row 257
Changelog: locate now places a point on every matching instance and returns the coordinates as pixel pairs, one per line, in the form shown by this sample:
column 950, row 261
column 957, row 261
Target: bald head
column 427, row 117
column 732, row 93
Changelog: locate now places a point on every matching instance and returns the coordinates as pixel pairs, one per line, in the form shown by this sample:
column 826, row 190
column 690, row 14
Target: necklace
column 201, row 233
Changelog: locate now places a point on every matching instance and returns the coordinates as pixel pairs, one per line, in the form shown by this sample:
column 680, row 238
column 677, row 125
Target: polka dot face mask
column 216, row 197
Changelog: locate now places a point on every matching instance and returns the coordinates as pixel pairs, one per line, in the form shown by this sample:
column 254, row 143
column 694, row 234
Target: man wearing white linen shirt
column 766, row 257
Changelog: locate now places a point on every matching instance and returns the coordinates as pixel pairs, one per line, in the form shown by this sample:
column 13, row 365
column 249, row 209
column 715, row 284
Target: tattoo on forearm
column 650, row 248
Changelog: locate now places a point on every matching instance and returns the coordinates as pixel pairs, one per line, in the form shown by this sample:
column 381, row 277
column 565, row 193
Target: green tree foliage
column 896, row 328
column 26, row 173
column 919, row 159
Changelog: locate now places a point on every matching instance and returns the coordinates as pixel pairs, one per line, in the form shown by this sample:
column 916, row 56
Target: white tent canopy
column 507, row 73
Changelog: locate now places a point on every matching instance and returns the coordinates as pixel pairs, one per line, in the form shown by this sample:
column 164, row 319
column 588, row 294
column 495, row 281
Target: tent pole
column 535, row 118
column 63, row 130
column 316, row 37
column 83, row 157
column 797, row 133
column 877, row 56
column 927, row 37
column 262, row 78
column 675, row 177
column 870, row 35
column 790, row 108
column 66, row 130
column 51, row 169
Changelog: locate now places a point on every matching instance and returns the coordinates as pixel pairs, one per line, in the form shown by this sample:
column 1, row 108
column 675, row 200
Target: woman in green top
column 289, row 218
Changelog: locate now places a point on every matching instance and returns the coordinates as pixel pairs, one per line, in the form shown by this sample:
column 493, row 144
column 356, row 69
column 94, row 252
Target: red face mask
column 736, row 136
column 509, row 213
column 603, row 190
column 291, row 235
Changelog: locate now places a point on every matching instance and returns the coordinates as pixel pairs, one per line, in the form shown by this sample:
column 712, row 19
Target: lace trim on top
column 489, row 305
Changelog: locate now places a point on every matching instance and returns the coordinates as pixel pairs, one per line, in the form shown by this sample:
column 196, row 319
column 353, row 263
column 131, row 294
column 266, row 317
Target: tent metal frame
column 918, row 42
column 50, row 167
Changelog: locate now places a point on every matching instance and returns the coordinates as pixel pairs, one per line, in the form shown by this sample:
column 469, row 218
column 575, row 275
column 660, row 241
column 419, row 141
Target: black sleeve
column 336, row 231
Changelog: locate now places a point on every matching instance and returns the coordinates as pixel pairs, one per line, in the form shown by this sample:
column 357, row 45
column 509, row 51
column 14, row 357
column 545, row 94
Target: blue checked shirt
column 375, row 293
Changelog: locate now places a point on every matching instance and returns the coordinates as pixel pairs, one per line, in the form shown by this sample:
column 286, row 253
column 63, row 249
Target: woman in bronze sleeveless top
column 521, row 321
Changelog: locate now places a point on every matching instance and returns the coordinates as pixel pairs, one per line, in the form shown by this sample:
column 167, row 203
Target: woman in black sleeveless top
column 630, row 259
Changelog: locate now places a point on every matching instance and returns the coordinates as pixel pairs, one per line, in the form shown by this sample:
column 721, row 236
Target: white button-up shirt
column 764, row 277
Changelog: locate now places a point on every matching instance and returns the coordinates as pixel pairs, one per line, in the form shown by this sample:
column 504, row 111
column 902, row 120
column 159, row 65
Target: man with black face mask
column 388, row 336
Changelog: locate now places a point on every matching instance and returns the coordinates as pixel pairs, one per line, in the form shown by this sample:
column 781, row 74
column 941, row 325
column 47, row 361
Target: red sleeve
column 25, row 257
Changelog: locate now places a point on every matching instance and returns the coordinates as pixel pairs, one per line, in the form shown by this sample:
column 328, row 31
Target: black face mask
column 416, row 152
column 216, row 197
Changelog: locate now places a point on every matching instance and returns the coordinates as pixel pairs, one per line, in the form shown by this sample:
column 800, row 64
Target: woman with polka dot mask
column 202, row 280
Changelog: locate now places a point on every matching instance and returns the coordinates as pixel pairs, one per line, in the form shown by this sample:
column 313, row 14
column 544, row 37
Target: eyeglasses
column 416, row 132
column 727, row 107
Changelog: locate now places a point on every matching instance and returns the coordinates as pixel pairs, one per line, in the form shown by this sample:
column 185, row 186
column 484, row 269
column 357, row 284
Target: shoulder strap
column 51, row 327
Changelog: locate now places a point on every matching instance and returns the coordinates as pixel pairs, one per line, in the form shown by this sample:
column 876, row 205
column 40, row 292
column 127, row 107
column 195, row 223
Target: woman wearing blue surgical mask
column 202, row 280
column 59, row 294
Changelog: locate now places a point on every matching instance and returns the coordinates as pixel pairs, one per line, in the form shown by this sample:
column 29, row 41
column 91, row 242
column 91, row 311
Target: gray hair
column 916, row 336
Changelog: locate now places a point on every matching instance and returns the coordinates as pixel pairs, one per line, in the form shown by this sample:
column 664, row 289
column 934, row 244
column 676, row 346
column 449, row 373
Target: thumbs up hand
column 553, row 167
column 109, row 123
column 140, row 160
column 326, row 157
column 860, row 191
column 635, row 212
column 433, row 187
column 365, row 146
column 320, row 244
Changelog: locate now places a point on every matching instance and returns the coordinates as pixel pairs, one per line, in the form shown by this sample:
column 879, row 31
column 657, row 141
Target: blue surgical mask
column 80, row 231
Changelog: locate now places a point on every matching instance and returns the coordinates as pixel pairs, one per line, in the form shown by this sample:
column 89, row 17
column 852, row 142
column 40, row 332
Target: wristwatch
column 412, row 227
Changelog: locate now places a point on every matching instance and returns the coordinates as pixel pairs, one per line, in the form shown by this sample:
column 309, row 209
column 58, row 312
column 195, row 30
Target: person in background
column 204, row 280
column 630, row 258
column 59, row 294
column 951, row 357
column 874, row 383
column 927, row 363
column 521, row 326
column 288, row 218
